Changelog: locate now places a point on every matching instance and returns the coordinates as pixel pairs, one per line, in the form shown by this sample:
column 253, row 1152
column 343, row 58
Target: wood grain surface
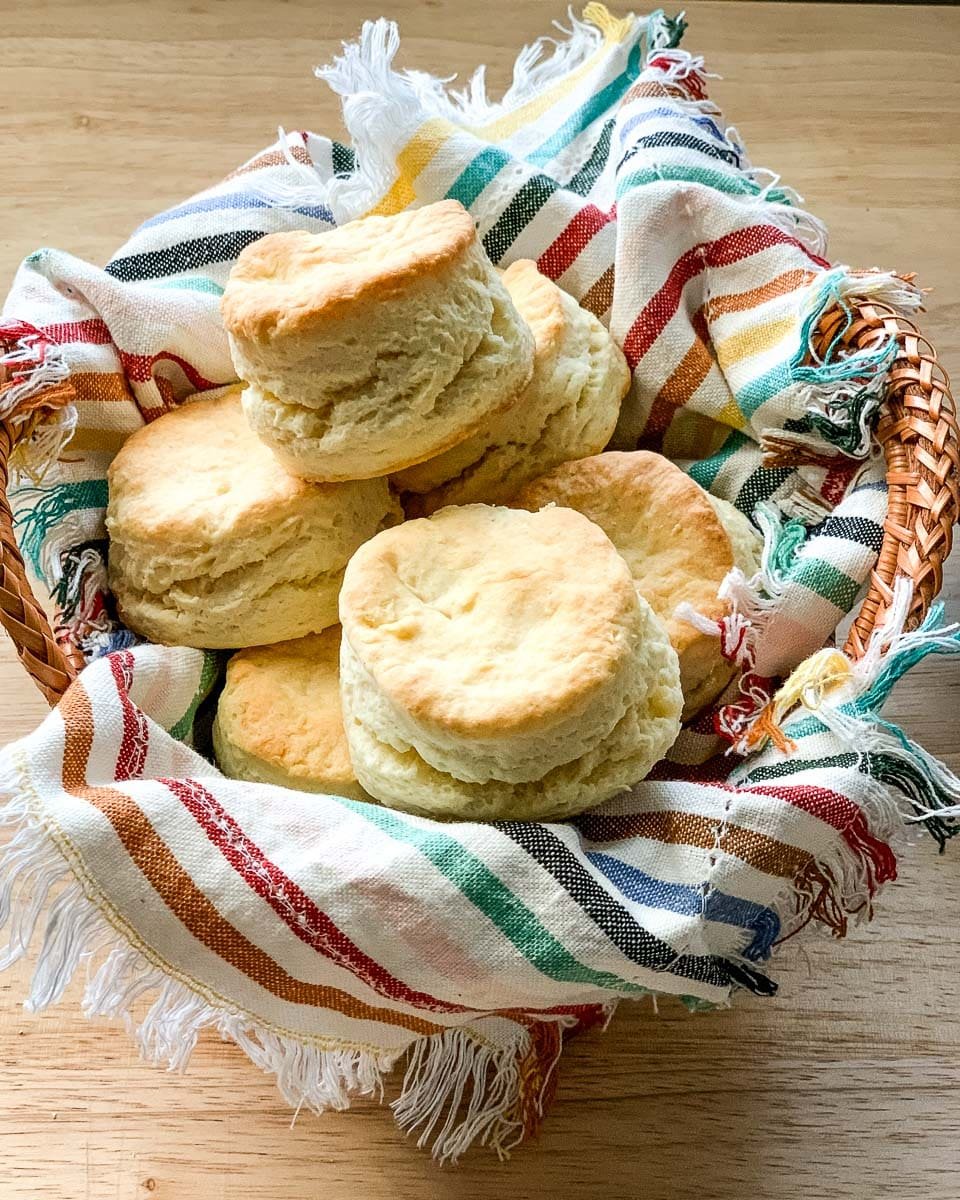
column 848, row 1084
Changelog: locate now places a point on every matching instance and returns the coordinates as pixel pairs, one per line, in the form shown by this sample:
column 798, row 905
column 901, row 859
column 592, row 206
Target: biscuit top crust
column 483, row 621
column 282, row 704
column 199, row 473
column 660, row 520
column 287, row 282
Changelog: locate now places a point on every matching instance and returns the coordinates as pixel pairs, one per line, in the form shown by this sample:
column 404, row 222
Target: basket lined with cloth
column 331, row 938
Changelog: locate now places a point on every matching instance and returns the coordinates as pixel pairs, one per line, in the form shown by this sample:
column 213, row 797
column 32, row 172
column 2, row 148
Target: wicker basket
column 917, row 429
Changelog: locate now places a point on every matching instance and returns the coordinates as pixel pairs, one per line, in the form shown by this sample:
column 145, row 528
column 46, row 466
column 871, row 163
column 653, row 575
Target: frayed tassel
column 676, row 67
column 34, row 364
column 306, row 1075
column 375, row 100
column 37, row 885
column 33, row 456
column 812, row 681
column 546, row 61
column 73, row 928
column 458, row 1089
column 750, row 601
column 305, row 187
column 60, row 531
column 538, row 66
column 50, row 522
column 692, row 616
column 784, row 206
column 839, row 392
column 847, row 697
column 663, row 37
column 382, row 106
column 838, row 888
column 86, row 614
column 751, row 598
column 113, row 636
column 895, row 758
column 458, row 1092
column 782, row 541
column 80, row 590
column 441, row 1070
column 37, row 394
column 820, row 898
column 798, row 223
column 809, row 686
column 30, row 867
column 932, row 789
column 874, row 855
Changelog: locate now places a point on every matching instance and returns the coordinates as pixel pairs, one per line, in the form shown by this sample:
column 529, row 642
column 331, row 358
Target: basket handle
column 917, row 428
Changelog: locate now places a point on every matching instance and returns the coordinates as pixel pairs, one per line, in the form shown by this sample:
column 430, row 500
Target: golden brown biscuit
column 213, row 544
column 279, row 719
column 486, row 673
column 376, row 345
column 673, row 540
column 567, row 410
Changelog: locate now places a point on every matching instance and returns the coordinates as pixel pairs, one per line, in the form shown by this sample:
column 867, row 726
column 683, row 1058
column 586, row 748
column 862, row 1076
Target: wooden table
column 848, row 1085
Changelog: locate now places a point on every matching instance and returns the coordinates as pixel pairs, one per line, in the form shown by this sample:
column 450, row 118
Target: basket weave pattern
column 51, row 665
column 917, row 429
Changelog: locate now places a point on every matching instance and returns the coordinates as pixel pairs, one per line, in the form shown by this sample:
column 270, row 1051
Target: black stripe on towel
column 184, row 256
column 853, row 529
column 592, row 169
column 679, row 141
column 518, row 214
column 620, row 926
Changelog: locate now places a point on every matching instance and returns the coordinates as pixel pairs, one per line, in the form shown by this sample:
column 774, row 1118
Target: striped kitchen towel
column 330, row 938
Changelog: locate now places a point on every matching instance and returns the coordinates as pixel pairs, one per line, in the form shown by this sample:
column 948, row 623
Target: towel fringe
column 37, row 378
column 375, row 99
column 847, row 702
column 457, row 1089
column 61, row 532
column 837, row 394
column 383, row 107
column 306, row 187
column 750, row 601
column 907, row 785
column 838, row 888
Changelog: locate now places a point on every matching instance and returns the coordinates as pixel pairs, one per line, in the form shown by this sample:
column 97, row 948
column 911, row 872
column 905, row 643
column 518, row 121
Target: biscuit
column 485, row 673
column 376, row 345
column 568, row 409
column 279, row 719
column 675, row 540
column 744, row 538
column 213, row 544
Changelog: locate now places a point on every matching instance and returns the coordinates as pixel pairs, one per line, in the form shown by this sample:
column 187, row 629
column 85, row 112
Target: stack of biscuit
column 375, row 346
column 415, row 450
column 485, row 674
column 213, row 545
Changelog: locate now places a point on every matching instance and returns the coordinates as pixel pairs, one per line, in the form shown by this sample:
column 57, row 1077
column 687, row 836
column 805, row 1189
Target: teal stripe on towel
column 42, row 509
